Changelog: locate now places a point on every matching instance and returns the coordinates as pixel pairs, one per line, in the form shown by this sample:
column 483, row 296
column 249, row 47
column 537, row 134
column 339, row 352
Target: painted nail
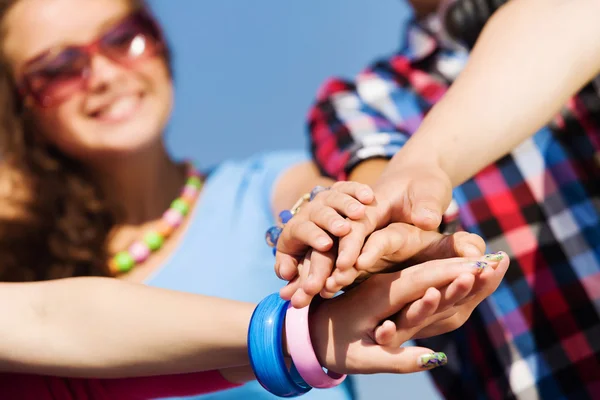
column 480, row 265
column 494, row 256
column 432, row 360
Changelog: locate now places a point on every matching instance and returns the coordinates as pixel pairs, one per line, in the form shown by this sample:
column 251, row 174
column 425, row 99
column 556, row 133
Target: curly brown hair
column 54, row 220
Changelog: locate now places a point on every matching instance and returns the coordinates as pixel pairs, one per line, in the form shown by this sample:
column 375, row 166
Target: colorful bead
column 194, row 181
column 181, row 206
column 153, row 240
column 139, row 251
column 113, row 268
column 164, row 229
column 173, row 217
column 285, row 216
column 124, row 261
column 188, row 199
column 189, row 191
column 272, row 235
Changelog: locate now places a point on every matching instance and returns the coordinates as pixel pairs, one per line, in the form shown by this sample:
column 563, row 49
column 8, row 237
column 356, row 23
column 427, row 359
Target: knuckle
column 338, row 184
column 349, row 201
column 323, row 214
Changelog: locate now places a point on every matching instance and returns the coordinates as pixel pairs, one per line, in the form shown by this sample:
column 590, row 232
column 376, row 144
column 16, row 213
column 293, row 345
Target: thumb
column 374, row 359
column 429, row 198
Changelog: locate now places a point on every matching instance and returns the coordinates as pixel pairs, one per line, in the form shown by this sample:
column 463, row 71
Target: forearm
column 531, row 57
column 369, row 171
column 107, row 328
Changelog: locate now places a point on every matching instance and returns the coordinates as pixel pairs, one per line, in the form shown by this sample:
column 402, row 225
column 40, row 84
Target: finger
column 321, row 265
column 297, row 236
column 288, row 290
column 413, row 317
column 468, row 244
column 400, row 243
column 300, row 298
column 350, row 245
column 452, row 322
column 429, row 198
column 286, row 266
column 344, row 278
column 421, row 309
column 397, row 360
column 361, row 192
column 331, row 286
column 385, row 333
column 456, row 291
column 460, row 244
column 429, row 309
column 395, row 290
column 330, row 220
column 389, row 333
column 489, row 280
column 344, row 204
column 387, row 241
column 326, row 294
column 454, row 317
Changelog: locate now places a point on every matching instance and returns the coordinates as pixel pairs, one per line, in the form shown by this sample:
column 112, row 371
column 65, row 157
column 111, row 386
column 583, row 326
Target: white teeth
column 120, row 108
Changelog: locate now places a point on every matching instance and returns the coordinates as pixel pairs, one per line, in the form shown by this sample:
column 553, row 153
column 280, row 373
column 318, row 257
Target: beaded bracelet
column 265, row 349
column 272, row 235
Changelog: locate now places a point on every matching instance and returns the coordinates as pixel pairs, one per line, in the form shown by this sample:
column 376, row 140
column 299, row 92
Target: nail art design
column 494, row 256
column 433, row 360
column 480, row 265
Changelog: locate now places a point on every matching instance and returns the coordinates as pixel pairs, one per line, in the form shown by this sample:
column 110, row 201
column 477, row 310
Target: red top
column 36, row 387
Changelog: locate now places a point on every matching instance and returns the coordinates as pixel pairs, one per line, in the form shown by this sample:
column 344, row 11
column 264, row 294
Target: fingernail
column 365, row 193
column 480, row 265
column 338, row 224
column 353, row 207
column 322, row 241
column 432, row 360
column 494, row 256
column 428, row 214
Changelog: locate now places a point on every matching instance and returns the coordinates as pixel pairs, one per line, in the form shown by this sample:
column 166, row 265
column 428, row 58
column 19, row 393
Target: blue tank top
column 224, row 253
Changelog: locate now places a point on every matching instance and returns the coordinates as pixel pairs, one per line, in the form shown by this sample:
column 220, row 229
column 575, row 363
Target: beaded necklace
column 153, row 240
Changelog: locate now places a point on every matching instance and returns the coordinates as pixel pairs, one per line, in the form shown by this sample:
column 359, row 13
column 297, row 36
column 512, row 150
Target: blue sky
column 247, row 72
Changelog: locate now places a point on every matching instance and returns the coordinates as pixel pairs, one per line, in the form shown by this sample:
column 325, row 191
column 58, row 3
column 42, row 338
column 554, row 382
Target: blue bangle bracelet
column 265, row 349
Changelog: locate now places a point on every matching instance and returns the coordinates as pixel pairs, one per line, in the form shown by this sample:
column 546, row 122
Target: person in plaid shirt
column 538, row 335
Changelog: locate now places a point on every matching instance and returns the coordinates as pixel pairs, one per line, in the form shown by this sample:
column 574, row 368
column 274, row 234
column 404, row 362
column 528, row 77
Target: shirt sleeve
column 267, row 168
column 373, row 115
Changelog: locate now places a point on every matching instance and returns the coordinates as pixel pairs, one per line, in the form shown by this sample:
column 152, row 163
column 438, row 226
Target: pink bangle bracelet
column 302, row 351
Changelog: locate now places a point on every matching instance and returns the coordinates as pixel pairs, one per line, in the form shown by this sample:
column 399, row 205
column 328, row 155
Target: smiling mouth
column 120, row 109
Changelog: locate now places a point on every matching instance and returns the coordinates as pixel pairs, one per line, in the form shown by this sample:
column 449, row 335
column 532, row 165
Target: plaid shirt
column 538, row 335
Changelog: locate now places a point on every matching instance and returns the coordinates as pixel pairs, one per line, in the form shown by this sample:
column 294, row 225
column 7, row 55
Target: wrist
column 304, row 352
column 319, row 328
column 368, row 171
